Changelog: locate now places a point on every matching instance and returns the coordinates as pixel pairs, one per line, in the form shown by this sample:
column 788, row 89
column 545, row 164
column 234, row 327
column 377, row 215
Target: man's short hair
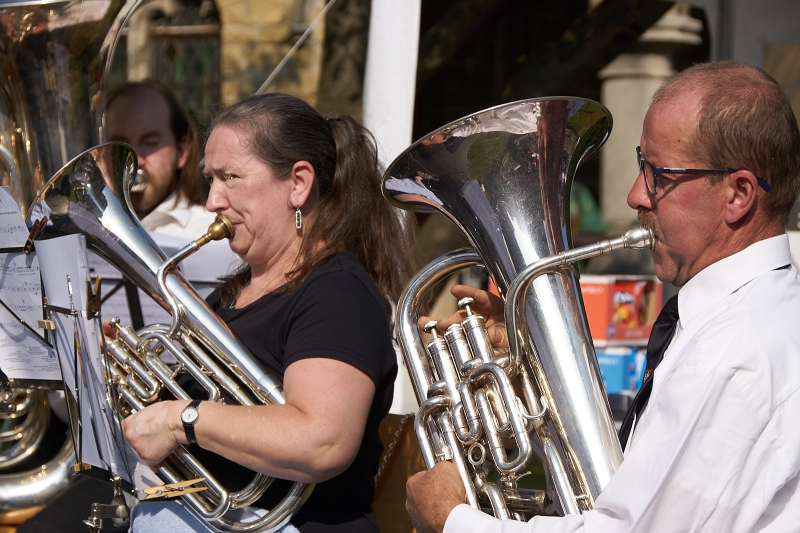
column 745, row 122
column 191, row 184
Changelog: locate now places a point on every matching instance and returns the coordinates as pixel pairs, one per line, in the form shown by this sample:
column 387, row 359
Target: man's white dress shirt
column 179, row 219
column 717, row 448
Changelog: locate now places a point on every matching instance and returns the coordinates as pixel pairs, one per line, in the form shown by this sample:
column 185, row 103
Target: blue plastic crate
column 621, row 368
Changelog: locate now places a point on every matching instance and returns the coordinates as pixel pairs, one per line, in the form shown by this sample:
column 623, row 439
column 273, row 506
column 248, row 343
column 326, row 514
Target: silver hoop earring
column 298, row 218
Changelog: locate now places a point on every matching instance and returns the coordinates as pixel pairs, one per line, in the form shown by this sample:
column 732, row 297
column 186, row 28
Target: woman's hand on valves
column 155, row 431
column 483, row 303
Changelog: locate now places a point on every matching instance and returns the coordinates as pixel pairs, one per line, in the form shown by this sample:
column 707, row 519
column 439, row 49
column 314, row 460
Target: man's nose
column 638, row 197
column 140, row 159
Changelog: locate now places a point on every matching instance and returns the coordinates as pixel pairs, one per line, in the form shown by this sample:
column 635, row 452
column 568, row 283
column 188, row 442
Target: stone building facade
column 253, row 37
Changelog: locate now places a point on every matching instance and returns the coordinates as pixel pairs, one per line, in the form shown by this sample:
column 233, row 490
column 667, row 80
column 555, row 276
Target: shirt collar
column 178, row 211
column 727, row 275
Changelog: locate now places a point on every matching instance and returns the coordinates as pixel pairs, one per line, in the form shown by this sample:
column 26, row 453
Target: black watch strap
column 188, row 428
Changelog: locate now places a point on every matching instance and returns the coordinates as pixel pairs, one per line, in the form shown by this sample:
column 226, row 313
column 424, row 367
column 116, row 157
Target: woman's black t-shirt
column 336, row 313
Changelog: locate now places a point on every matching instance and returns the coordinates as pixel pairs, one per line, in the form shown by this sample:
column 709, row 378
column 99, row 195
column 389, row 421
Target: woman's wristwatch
column 189, row 417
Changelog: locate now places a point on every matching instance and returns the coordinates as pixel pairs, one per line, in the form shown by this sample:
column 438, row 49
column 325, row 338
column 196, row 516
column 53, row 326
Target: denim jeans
column 175, row 517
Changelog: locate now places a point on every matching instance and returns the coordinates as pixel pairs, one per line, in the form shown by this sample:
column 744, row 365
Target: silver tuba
column 53, row 57
column 503, row 176
column 90, row 197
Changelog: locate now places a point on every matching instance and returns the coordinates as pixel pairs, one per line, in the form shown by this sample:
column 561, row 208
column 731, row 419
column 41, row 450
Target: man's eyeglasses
column 652, row 172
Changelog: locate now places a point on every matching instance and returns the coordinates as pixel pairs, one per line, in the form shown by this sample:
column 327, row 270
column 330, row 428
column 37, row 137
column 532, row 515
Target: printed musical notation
column 23, row 355
column 13, row 232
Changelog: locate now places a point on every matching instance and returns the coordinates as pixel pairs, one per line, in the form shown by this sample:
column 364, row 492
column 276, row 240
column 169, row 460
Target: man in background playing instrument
column 171, row 196
column 717, row 446
column 169, row 201
column 170, row 193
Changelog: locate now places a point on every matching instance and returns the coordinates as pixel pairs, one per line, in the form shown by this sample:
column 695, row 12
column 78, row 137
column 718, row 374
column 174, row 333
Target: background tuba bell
column 53, row 57
column 503, row 176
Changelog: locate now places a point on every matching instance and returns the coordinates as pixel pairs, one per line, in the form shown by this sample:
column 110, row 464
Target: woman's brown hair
column 349, row 213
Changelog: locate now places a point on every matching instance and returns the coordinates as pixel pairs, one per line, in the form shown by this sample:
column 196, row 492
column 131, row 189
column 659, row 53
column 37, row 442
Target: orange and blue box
column 621, row 309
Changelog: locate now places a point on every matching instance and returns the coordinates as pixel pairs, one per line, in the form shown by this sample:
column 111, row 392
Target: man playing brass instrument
column 716, row 447
column 170, row 195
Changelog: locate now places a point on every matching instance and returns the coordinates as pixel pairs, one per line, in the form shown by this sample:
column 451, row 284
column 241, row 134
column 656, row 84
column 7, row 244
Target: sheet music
column 23, row 355
column 101, row 442
column 206, row 265
column 78, row 341
column 13, row 232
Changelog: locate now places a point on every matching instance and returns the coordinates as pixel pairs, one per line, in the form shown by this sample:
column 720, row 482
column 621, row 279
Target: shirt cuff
column 465, row 519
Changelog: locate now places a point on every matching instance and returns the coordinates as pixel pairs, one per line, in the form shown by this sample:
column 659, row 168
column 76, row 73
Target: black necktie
column 660, row 336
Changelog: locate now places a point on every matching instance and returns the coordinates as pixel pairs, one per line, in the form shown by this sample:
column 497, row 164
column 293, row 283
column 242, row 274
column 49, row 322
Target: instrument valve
column 430, row 327
column 476, row 454
column 464, row 303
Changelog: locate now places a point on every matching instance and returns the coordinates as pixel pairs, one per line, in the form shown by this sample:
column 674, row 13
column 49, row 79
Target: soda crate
column 622, row 369
column 621, row 309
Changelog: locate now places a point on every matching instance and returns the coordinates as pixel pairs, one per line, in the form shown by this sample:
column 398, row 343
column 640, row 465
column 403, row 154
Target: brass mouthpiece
column 220, row 229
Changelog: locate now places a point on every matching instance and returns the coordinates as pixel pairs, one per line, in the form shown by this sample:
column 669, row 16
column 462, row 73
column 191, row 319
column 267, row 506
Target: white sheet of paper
column 22, row 354
column 202, row 269
column 87, row 448
column 13, row 232
column 80, row 355
column 64, row 269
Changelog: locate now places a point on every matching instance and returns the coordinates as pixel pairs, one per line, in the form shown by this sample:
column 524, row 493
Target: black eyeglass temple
column 763, row 184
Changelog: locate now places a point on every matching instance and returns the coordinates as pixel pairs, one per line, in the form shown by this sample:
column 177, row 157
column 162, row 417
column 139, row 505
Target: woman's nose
column 216, row 198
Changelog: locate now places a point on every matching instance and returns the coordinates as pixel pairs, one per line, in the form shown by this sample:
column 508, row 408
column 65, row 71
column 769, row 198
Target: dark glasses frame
column 655, row 171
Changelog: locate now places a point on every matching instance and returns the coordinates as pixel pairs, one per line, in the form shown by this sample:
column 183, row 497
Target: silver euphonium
column 503, row 176
column 53, row 57
column 90, row 197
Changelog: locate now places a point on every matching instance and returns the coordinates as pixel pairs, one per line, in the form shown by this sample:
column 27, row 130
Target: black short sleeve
column 336, row 313
column 337, row 316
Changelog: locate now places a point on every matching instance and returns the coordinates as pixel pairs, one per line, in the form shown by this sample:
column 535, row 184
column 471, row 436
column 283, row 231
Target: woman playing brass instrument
column 324, row 255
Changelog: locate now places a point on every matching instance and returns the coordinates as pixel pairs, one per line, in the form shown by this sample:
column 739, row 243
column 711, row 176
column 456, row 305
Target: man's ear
column 183, row 152
column 742, row 195
column 302, row 176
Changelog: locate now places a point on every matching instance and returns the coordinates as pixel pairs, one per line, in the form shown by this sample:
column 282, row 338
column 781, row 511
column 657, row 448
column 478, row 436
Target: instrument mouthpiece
column 220, row 229
column 640, row 239
column 139, row 181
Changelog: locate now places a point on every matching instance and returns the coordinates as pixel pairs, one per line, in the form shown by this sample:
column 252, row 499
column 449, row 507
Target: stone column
column 389, row 90
column 628, row 84
column 390, row 74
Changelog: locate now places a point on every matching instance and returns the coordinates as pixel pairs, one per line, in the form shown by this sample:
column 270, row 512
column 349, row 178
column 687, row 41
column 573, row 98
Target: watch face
column 189, row 415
